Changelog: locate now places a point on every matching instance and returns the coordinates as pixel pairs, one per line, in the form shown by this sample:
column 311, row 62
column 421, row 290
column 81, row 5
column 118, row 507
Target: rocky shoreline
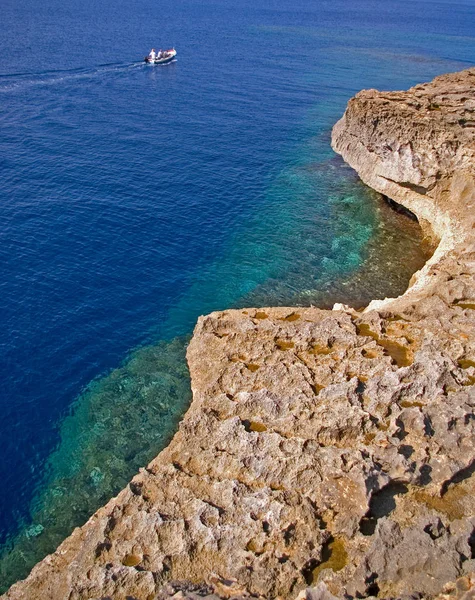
column 326, row 453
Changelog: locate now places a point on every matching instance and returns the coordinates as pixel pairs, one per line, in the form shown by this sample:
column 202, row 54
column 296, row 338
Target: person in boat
column 152, row 54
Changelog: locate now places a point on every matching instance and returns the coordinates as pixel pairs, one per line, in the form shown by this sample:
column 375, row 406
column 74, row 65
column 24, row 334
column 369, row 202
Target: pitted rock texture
column 325, row 453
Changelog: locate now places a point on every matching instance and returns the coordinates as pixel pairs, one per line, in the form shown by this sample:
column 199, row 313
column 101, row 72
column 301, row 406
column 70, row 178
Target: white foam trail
column 25, row 80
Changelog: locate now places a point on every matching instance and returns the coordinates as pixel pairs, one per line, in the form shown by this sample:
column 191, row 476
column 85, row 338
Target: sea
column 135, row 198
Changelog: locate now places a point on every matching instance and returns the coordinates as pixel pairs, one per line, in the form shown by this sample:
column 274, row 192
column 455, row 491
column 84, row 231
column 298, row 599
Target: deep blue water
column 135, row 198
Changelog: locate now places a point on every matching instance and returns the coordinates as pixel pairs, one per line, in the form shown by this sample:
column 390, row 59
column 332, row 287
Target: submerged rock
column 326, row 454
column 34, row 531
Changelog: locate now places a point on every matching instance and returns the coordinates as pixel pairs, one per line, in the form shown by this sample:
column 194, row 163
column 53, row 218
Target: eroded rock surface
column 326, row 453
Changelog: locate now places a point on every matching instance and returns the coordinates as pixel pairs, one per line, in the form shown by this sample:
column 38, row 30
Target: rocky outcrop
column 418, row 148
column 326, row 453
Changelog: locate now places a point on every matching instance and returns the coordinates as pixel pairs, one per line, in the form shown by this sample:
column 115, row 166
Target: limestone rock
column 326, row 453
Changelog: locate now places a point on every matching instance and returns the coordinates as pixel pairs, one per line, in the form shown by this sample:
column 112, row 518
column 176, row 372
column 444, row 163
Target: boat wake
column 14, row 81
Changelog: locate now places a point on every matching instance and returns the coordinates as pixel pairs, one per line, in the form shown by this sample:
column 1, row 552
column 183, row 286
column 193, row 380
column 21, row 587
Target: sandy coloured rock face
column 325, row 452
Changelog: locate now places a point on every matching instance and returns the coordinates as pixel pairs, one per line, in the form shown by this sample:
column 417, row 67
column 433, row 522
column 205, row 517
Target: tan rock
column 332, row 448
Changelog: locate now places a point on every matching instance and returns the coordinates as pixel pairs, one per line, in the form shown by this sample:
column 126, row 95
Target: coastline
column 307, row 424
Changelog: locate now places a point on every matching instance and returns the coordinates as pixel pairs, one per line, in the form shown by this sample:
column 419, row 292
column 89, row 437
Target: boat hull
column 161, row 61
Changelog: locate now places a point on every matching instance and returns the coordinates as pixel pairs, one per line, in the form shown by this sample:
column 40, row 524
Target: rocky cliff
column 326, row 453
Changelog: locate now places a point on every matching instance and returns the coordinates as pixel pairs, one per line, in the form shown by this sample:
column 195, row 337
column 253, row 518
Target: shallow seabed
column 138, row 198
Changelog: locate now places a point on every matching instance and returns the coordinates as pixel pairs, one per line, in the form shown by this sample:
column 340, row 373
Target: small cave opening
column 399, row 208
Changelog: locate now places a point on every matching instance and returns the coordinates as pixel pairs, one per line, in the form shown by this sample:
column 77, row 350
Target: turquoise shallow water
column 136, row 199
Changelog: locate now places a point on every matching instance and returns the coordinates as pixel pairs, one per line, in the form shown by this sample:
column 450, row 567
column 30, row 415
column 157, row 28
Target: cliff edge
column 330, row 453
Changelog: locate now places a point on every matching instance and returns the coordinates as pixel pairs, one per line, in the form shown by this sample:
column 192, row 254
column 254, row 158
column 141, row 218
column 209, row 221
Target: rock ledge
column 330, row 449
